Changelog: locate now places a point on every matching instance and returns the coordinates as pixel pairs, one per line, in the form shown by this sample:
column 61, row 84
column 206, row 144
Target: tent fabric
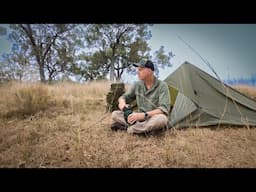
column 182, row 108
column 202, row 100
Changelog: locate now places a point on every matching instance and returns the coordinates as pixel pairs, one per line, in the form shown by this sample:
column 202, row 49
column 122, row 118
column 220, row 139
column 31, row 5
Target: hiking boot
column 118, row 126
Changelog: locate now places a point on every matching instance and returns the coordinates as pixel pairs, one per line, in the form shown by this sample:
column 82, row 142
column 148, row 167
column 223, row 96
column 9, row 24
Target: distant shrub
column 31, row 100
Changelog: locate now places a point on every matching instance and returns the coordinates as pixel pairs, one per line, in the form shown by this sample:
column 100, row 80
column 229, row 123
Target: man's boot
column 118, row 126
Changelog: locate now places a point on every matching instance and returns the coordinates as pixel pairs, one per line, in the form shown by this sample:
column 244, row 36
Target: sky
column 4, row 43
column 229, row 48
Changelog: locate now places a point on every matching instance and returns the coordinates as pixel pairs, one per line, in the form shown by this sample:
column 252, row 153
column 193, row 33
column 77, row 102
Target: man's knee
column 116, row 114
column 159, row 119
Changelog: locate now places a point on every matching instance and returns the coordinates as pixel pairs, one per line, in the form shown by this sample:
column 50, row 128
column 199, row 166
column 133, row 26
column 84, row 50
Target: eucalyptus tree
column 51, row 47
column 112, row 48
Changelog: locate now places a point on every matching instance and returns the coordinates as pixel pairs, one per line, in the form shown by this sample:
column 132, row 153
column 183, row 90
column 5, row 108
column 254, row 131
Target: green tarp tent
column 199, row 99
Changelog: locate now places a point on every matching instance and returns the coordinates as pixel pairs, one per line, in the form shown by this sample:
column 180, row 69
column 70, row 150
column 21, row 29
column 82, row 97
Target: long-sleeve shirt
column 157, row 97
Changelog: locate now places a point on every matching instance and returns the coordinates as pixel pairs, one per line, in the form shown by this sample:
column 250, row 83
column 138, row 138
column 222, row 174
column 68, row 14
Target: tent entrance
column 182, row 108
column 173, row 92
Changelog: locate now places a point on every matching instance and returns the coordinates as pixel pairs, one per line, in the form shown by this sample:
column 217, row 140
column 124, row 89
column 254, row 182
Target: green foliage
column 115, row 47
column 161, row 59
column 51, row 48
column 91, row 52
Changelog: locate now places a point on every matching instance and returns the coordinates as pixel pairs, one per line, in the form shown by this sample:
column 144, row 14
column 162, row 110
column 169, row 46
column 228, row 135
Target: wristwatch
column 146, row 115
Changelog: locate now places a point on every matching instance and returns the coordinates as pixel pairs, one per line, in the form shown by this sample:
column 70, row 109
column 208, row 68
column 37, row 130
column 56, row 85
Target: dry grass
column 247, row 90
column 74, row 131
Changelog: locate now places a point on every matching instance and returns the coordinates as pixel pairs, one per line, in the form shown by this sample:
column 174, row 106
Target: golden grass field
column 66, row 125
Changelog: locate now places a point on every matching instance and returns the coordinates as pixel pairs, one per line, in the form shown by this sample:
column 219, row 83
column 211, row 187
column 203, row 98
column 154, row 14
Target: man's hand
column 136, row 117
column 121, row 103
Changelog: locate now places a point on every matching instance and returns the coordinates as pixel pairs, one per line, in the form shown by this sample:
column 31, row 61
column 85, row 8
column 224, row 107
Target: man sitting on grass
column 153, row 101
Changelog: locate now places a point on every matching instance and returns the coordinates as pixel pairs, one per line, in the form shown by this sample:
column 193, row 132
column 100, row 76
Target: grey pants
column 153, row 123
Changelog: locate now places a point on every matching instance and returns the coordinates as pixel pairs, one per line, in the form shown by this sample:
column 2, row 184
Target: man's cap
column 149, row 64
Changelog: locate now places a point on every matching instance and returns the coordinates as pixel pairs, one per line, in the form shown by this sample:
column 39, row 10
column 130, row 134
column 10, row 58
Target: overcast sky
column 229, row 48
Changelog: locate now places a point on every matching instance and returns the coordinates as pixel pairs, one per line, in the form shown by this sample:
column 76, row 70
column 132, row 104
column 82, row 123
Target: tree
column 162, row 59
column 115, row 47
column 50, row 47
column 14, row 66
column 91, row 66
column 87, row 51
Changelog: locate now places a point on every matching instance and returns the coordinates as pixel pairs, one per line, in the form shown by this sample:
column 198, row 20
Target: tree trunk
column 112, row 71
column 41, row 71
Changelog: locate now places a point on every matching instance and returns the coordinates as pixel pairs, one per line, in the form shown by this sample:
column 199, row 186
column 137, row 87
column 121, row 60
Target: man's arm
column 154, row 112
column 139, row 116
column 164, row 99
column 128, row 97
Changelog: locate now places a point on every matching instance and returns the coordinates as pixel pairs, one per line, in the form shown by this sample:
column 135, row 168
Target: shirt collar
column 155, row 84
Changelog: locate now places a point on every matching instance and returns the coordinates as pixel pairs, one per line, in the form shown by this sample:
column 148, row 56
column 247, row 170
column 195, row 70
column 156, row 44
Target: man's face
column 143, row 72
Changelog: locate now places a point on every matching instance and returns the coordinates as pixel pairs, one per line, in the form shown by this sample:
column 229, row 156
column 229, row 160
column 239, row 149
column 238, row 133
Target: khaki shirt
column 157, row 97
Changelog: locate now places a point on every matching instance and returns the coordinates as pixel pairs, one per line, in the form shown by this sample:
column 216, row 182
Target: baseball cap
column 143, row 63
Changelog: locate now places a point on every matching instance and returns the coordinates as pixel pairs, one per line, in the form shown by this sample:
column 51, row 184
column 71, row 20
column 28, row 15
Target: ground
column 73, row 130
